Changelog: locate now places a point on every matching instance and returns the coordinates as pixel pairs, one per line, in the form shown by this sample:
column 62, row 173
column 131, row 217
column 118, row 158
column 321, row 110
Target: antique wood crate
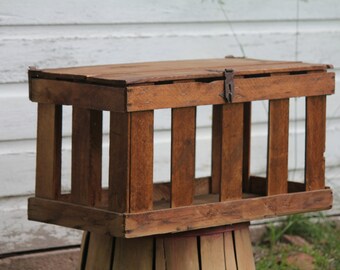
column 132, row 205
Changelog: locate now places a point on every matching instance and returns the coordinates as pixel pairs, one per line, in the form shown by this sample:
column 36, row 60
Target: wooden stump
column 226, row 248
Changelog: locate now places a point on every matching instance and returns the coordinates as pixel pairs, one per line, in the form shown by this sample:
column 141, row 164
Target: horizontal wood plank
column 78, row 94
column 176, row 219
column 186, row 94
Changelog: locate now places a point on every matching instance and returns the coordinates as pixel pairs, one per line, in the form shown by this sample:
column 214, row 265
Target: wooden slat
column 315, row 142
column 229, row 251
column 246, row 146
column 132, row 254
column 258, row 185
column 243, row 249
column 183, row 156
column 141, row 159
column 99, row 254
column 232, row 152
column 78, row 94
column 48, row 170
column 160, row 263
column 228, row 212
column 187, row 94
column 83, row 250
column 212, row 252
column 216, row 149
column 182, row 218
column 86, row 156
column 181, row 253
column 277, row 158
column 119, row 162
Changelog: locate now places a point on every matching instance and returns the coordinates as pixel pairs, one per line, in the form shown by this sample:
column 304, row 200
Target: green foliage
column 322, row 234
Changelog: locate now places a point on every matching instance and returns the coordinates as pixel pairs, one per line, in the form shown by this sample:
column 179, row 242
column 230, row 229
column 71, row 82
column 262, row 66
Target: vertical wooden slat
column 216, row 148
column 277, row 157
column 141, row 161
column 246, row 146
column 243, row 248
column 183, row 156
column 181, row 253
column 133, row 254
column 160, row 263
column 99, row 254
column 48, row 170
column 232, row 151
column 212, row 252
column 315, row 142
column 86, row 156
column 229, row 251
column 119, row 162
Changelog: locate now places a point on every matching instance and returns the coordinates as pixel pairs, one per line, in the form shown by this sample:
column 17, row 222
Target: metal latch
column 228, row 85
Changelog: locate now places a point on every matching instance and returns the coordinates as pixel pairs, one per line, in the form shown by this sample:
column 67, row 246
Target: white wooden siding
column 73, row 33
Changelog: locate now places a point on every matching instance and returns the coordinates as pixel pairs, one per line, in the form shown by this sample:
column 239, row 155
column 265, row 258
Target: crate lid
column 171, row 84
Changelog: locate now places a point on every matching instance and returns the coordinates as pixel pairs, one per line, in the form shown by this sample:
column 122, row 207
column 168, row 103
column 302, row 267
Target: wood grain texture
column 216, row 149
column 86, row 156
column 229, row 251
column 78, row 94
column 119, row 162
column 232, row 152
column 48, row 168
column 181, row 253
column 160, row 263
column 243, row 249
column 76, row 216
column 216, row 214
column 141, row 159
column 182, row 218
column 186, row 94
column 315, row 142
column 212, row 252
column 246, row 147
column 277, row 157
column 132, row 254
column 99, row 253
column 258, row 185
column 183, row 140
column 280, row 87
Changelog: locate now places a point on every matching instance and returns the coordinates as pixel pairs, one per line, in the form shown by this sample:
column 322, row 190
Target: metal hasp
column 228, row 85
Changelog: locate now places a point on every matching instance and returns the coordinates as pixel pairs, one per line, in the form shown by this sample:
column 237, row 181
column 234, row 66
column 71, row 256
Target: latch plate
column 228, row 85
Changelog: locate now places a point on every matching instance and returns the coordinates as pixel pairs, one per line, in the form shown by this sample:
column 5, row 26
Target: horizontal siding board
column 93, row 50
column 21, row 12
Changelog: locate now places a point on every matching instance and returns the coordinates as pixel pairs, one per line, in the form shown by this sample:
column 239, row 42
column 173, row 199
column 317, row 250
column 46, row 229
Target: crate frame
column 133, row 206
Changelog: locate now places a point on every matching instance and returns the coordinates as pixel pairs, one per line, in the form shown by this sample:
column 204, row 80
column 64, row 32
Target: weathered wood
column 132, row 254
column 160, row 263
column 187, row 94
column 119, row 162
column 86, row 156
column 246, row 147
column 76, row 216
column 216, row 149
column 141, row 158
column 78, row 94
column 99, row 254
column 315, row 142
column 48, row 171
column 243, row 249
column 229, row 251
column 183, row 156
column 134, row 73
column 83, row 250
column 181, row 253
column 277, row 157
column 258, row 185
column 212, row 252
column 216, row 214
column 232, row 152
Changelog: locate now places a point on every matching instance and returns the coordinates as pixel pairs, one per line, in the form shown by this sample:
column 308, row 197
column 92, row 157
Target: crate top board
column 173, row 84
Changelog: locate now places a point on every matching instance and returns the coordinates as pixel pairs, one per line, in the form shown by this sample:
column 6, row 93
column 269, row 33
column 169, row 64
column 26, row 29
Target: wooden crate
column 133, row 206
